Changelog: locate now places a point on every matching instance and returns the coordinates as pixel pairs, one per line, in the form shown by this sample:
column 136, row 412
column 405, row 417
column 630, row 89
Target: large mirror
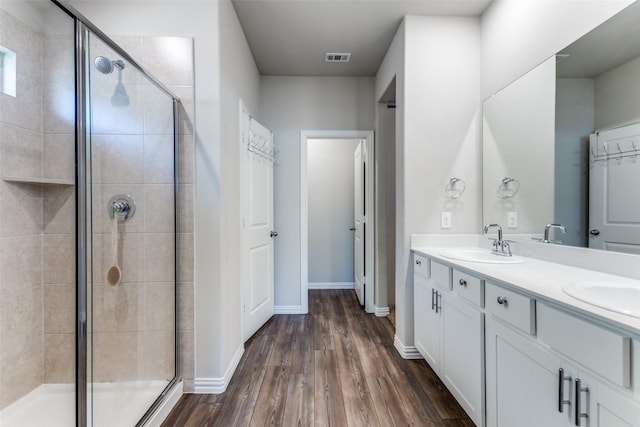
column 561, row 145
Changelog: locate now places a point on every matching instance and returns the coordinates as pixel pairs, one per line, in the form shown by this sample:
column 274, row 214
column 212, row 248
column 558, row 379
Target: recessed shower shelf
column 46, row 181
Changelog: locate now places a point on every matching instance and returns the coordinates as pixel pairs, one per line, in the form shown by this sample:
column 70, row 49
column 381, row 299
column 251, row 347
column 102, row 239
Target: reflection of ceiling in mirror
column 613, row 43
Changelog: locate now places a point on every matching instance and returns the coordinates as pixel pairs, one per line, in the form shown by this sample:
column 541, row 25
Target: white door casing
column 367, row 136
column 258, row 233
column 359, row 223
column 614, row 199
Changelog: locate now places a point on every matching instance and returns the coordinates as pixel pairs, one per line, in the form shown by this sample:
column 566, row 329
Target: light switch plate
column 512, row 219
column 445, row 219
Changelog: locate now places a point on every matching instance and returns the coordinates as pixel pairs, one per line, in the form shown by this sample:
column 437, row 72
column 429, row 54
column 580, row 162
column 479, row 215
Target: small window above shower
column 7, row 71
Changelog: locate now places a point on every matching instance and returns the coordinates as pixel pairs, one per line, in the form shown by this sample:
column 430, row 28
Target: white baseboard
column 167, row 405
column 331, row 285
column 288, row 309
column 381, row 311
column 218, row 385
column 407, row 352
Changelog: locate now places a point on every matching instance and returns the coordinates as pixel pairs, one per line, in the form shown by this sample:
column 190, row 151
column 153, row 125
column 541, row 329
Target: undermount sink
column 480, row 255
column 617, row 297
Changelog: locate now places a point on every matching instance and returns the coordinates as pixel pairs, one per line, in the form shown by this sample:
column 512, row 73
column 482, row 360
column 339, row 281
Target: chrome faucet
column 500, row 247
column 548, row 228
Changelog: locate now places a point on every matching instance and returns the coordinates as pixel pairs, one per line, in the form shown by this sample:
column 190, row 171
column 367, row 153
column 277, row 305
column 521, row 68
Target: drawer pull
column 502, row 300
column 433, row 299
column 561, row 400
column 418, row 262
column 579, row 390
column 462, row 282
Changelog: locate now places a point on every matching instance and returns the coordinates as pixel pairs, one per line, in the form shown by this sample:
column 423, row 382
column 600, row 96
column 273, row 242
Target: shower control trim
column 121, row 205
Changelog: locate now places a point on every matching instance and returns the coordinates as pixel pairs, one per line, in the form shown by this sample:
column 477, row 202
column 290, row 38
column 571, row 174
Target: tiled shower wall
column 36, row 220
column 133, row 321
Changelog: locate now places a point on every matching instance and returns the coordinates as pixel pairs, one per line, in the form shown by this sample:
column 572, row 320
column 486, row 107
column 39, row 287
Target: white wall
column 218, row 88
column 331, row 200
column 437, row 67
column 518, row 35
column 289, row 105
column 574, row 124
column 239, row 80
column 518, row 141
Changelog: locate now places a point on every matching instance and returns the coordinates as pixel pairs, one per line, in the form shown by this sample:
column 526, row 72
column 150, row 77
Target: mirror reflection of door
column 330, row 175
column 614, row 199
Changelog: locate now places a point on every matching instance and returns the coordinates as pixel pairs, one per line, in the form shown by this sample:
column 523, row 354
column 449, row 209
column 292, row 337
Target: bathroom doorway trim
column 366, row 135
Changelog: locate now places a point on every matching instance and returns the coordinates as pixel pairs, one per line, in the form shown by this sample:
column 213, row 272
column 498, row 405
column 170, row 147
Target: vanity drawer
column 468, row 287
column 600, row 350
column 441, row 274
column 512, row 307
column 421, row 265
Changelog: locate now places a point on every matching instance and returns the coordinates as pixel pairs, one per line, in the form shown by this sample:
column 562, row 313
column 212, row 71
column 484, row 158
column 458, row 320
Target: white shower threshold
column 121, row 403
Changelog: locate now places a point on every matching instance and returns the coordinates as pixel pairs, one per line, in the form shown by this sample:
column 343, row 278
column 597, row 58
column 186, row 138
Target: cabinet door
column 462, row 354
column 522, row 381
column 609, row 408
column 426, row 321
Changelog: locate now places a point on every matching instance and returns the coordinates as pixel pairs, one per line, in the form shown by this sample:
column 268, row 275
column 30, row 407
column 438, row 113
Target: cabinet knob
column 502, row 300
column 418, row 262
column 462, row 282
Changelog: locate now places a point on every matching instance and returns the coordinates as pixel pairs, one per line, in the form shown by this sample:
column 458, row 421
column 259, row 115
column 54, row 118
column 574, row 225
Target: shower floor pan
column 53, row 405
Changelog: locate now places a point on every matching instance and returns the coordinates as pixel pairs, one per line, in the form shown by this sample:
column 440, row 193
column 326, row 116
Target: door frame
column 367, row 136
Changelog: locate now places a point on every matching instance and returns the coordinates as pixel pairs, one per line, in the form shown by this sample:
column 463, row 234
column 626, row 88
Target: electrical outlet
column 445, row 219
column 512, row 219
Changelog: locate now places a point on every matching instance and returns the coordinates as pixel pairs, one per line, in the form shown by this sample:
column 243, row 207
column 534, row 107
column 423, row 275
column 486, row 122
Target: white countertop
column 544, row 280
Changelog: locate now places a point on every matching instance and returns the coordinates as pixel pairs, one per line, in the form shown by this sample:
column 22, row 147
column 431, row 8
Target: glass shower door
column 131, row 185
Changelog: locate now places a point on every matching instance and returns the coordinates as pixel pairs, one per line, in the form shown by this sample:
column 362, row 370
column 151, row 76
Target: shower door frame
column 83, row 27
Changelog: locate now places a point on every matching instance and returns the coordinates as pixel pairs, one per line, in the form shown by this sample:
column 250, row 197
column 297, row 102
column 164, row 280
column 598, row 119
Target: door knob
column 594, row 232
column 274, row 234
column 352, row 228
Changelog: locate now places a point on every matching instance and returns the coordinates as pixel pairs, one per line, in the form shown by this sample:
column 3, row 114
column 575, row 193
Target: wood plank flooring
column 335, row 366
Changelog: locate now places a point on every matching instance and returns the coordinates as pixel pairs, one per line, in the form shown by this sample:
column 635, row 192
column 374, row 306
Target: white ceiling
column 290, row 37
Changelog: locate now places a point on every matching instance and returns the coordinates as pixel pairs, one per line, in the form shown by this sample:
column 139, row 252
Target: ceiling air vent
column 337, row 57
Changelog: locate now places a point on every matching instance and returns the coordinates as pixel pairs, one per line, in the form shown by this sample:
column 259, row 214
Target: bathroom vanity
column 515, row 349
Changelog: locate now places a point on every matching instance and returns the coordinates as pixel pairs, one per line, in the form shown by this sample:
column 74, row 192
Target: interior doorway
column 385, row 184
column 337, row 214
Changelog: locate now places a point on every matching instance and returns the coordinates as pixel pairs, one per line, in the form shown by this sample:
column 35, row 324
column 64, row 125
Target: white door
column 359, row 224
column 614, row 199
column 258, row 233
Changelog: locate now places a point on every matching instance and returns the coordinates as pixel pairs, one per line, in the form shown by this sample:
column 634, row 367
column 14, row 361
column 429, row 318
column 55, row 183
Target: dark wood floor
column 335, row 366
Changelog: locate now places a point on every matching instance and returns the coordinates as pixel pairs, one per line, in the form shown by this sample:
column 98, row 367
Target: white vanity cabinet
column 449, row 331
column 513, row 357
column 571, row 373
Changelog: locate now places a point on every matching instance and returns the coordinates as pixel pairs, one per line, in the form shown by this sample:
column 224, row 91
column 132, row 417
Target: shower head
column 105, row 65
